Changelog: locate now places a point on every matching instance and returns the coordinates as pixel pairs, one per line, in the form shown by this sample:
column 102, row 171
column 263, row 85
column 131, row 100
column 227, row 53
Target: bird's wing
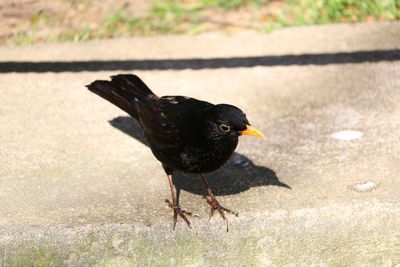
column 164, row 124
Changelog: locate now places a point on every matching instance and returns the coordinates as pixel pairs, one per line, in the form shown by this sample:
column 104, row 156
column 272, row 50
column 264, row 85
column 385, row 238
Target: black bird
column 184, row 133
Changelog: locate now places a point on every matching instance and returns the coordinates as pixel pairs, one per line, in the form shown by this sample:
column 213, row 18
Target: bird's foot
column 182, row 213
column 214, row 204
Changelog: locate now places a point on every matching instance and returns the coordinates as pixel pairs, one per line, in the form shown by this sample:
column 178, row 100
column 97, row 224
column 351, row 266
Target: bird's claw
column 182, row 213
column 214, row 204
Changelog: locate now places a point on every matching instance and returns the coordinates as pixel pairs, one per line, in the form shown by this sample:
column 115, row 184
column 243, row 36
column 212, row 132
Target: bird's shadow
column 237, row 175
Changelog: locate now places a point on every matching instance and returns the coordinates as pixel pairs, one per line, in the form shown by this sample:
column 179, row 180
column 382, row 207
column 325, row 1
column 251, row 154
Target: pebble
column 238, row 160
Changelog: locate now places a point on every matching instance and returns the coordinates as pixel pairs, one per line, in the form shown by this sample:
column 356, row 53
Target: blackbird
column 184, row 134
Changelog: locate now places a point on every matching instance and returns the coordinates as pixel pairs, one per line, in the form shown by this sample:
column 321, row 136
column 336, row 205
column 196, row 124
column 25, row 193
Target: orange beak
column 250, row 130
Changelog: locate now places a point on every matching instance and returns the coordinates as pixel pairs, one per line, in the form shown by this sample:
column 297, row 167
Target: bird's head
column 228, row 122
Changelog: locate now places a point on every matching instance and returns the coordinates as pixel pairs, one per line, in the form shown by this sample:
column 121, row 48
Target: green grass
column 193, row 17
column 29, row 37
column 335, row 11
column 232, row 4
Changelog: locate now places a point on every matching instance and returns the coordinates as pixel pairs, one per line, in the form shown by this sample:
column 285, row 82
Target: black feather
column 125, row 91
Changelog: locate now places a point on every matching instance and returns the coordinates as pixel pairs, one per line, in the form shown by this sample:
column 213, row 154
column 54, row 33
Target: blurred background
column 26, row 22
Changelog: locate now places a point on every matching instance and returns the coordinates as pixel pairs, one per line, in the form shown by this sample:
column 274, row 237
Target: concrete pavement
column 79, row 187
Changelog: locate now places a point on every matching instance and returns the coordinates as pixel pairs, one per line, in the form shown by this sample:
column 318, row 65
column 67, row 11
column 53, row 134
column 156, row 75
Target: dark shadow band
column 197, row 63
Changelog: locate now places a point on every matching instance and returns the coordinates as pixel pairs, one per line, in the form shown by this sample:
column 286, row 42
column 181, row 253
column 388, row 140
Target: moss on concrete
column 328, row 237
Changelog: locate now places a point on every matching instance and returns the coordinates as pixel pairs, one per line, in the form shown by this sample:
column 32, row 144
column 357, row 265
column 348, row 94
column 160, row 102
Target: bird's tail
column 125, row 91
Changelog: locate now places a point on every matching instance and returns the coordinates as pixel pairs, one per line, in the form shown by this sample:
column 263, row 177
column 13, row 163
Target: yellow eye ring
column 224, row 128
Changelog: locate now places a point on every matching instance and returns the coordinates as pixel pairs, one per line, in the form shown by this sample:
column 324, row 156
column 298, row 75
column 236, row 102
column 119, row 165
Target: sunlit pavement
column 79, row 187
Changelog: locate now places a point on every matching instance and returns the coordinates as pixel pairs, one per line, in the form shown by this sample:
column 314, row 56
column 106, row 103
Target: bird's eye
column 224, row 128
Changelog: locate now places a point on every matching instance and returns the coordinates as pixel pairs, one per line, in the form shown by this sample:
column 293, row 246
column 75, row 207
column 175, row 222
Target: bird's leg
column 175, row 205
column 212, row 201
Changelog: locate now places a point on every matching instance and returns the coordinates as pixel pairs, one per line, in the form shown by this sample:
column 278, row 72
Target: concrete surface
column 79, row 188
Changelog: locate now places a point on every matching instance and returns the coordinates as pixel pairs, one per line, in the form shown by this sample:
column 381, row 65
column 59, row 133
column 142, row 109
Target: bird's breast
column 192, row 158
column 200, row 160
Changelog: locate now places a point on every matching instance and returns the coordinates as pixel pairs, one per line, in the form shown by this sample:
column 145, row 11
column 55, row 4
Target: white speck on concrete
column 347, row 135
column 364, row 186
